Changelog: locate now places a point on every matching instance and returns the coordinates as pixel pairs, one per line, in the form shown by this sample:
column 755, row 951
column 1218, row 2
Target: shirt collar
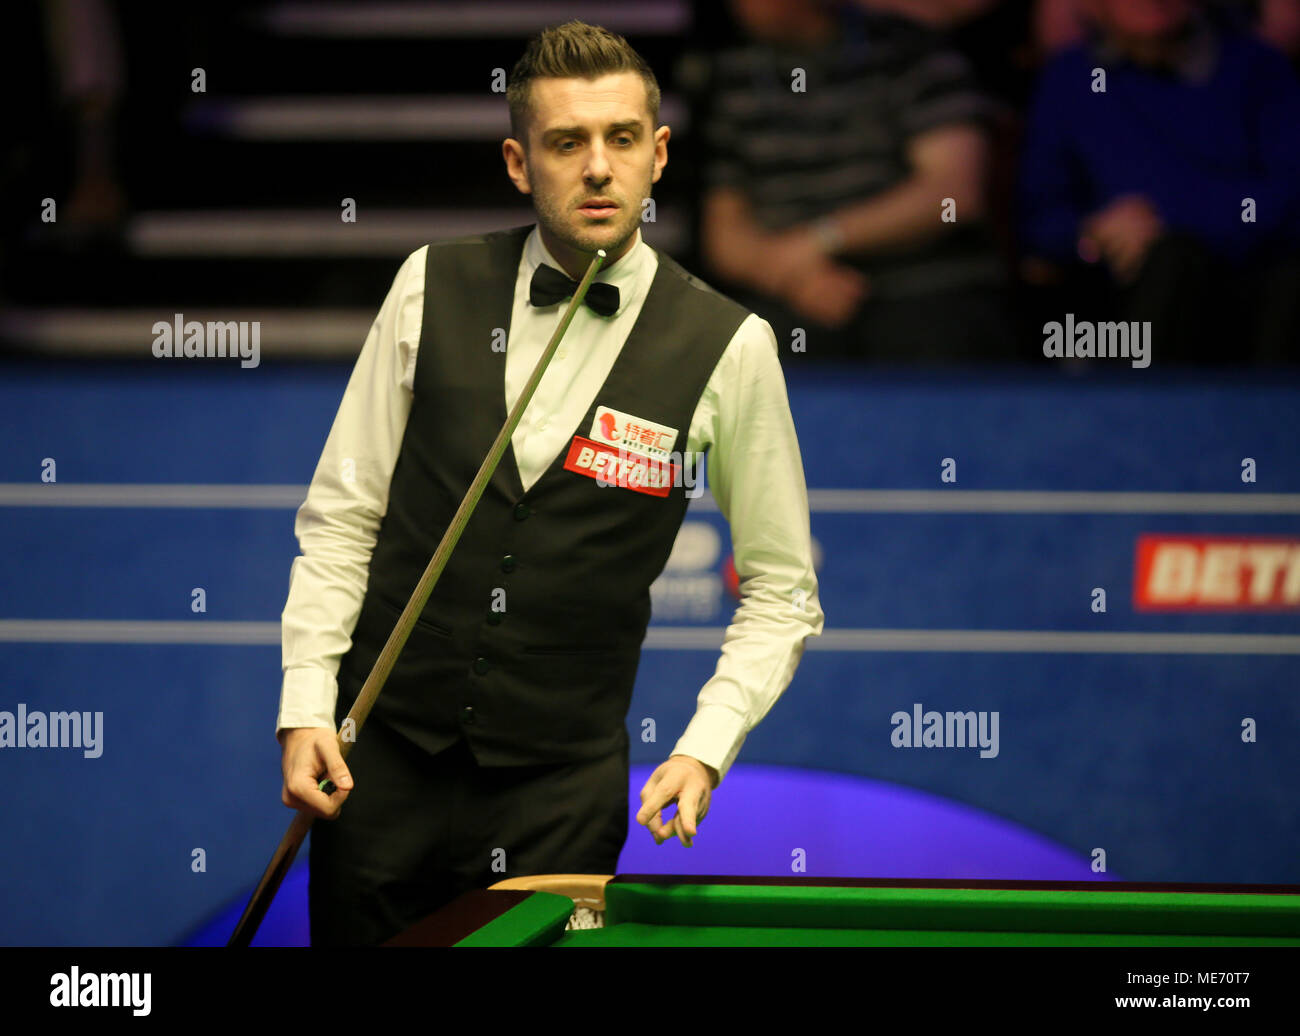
column 1196, row 65
column 627, row 273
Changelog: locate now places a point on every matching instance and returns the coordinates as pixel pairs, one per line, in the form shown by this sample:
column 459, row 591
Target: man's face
column 1143, row 20
column 592, row 155
column 780, row 21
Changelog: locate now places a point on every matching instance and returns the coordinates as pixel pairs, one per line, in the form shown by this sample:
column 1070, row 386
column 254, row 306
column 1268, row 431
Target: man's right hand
column 308, row 754
column 1122, row 234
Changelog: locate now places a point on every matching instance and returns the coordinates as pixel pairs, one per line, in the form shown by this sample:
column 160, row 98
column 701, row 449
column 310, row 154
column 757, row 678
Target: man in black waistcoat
column 498, row 746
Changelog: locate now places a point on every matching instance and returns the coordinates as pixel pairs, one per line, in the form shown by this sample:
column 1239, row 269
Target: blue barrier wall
column 1136, row 751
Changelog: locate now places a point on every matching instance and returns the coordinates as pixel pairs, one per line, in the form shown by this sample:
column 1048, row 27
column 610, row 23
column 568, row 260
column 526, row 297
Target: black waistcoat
column 529, row 644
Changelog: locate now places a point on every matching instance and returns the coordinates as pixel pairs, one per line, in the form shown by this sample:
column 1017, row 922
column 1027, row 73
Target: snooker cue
column 266, row 889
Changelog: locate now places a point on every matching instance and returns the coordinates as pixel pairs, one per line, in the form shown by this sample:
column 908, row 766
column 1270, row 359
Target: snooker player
column 498, row 746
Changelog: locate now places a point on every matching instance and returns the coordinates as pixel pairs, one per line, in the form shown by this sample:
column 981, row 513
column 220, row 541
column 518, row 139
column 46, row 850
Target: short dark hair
column 573, row 50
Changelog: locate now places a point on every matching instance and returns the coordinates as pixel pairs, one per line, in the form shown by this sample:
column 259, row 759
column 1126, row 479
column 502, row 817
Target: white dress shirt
column 755, row 474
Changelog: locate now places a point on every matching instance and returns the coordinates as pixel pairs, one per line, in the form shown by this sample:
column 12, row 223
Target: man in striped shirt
column 847, row 150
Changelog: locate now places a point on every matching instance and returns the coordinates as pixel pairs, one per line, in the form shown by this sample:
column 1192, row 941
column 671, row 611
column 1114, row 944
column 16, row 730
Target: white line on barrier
column 820, row 501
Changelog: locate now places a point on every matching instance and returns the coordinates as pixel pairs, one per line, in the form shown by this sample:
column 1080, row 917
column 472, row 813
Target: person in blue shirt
column 1160, row 181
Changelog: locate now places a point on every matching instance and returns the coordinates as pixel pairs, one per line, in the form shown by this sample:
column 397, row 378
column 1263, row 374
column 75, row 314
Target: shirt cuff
column 307, row 699
column 713, row 736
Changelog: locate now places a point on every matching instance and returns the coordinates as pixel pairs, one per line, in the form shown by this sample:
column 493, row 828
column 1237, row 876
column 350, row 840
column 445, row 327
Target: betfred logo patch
column 615, row 466
column 1216, row 573
column 632, row 434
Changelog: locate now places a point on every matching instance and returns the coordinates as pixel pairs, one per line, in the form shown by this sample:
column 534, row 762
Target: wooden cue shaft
column 266, row 889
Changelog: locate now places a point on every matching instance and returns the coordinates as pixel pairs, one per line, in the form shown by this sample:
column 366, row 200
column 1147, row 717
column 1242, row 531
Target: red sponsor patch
column 620, row 468
column 1216, row 573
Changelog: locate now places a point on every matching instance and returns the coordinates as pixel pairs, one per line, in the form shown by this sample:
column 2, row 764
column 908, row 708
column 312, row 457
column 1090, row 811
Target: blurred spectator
column 1004, row 40
column 1141, row 196
column 1062, row 23
column 85, row 42
column 1278, row 23
column 1058, row 24
column 822, row 208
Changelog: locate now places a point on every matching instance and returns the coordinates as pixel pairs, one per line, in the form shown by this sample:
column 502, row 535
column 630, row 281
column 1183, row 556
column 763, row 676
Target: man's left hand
column 688, row 782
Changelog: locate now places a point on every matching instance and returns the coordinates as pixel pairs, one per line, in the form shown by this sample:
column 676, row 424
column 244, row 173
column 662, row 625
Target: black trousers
column 419, row 830
column 1203, row 312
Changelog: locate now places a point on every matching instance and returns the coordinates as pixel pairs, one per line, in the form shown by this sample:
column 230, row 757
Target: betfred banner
column 1216, row 573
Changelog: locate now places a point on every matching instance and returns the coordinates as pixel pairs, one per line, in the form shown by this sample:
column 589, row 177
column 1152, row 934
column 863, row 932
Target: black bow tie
column 551, row 286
